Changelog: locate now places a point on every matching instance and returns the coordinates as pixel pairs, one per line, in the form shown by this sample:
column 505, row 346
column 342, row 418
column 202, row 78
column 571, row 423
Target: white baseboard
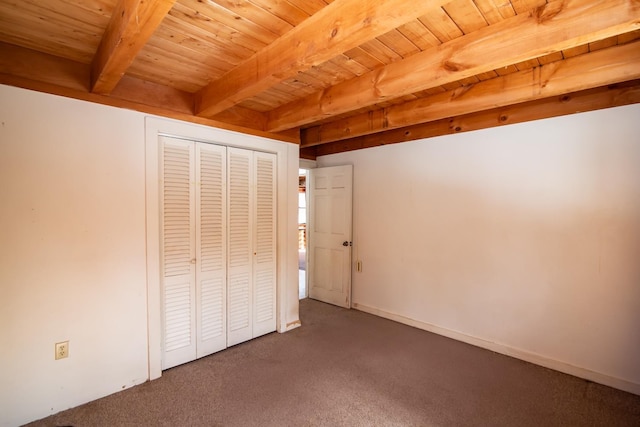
column 292, row 325
column 527, row 356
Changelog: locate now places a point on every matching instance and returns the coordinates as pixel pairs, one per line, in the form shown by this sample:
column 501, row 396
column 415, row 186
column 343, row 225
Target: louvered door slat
column 178, row 228
column 239, row 300
column 239, row 245
column 218, row 247
column 213, row 325
column 264, row 263
column 211, row 248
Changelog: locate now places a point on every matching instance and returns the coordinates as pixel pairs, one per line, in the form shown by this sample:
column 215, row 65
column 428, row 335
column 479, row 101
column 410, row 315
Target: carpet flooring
column 348, row 368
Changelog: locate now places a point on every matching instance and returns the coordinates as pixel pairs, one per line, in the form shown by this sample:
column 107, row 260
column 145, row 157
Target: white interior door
column 330, row 234
column 178, row 272
column 211, row 248
column 264, row 254
column 240, row 246
column 218, row 247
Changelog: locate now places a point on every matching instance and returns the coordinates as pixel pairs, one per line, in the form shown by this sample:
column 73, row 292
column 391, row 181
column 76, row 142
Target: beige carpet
column 348, row 368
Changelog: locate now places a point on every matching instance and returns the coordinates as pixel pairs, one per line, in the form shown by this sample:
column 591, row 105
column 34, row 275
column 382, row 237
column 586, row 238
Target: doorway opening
column 324, row 234
column 303, row 291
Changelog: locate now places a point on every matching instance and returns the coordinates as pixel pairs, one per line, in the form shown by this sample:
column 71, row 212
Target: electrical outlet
column 62, row 350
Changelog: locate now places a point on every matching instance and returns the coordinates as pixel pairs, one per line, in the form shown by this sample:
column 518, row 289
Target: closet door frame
column 287, row 155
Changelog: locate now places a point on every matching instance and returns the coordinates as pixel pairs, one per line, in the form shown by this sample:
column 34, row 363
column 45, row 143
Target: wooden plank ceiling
column 333, row 75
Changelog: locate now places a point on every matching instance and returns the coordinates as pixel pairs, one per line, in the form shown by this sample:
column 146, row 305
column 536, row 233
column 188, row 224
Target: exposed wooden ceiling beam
column 72, row 77
column 37, row 66
column 337, row 28
column 603, row 67
column 587, row 100
column 30, row 69
column 153, row 94
column 556, row 26
column 243, row 117
column 132, row 23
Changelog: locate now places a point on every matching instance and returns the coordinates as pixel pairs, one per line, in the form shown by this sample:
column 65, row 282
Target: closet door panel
column 211, row 248
column 264, row 259
column 177, row 252
column 218, row 247
column 240, row 225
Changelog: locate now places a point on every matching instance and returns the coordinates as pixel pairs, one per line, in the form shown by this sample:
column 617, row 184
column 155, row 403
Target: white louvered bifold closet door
column 240, row 223
column 264, row 258
column 211, row 248
column 177, row 258
column 218, row 247
column 251, row 283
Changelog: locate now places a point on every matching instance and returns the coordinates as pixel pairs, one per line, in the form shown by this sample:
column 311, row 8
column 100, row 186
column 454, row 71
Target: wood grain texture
column 251, row 12
column 56, row 27
column 132, row 23
column 555, row 27
column 335, row 29
column 38, row 66
column 577, row 102
column 153, row 94
column 245, row 117
column 338, row 68
column 603, row 67
column 21, row 67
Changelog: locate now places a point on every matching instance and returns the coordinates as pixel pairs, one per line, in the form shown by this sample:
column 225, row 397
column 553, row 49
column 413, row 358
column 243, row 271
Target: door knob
column 345, row 243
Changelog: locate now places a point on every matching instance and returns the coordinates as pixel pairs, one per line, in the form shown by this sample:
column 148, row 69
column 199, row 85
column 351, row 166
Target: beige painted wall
column 73, row 252
column 524, row 239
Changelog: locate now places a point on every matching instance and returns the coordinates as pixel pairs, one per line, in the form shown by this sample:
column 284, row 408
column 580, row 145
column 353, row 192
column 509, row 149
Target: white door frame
column 286, row 210
column 307, row 165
